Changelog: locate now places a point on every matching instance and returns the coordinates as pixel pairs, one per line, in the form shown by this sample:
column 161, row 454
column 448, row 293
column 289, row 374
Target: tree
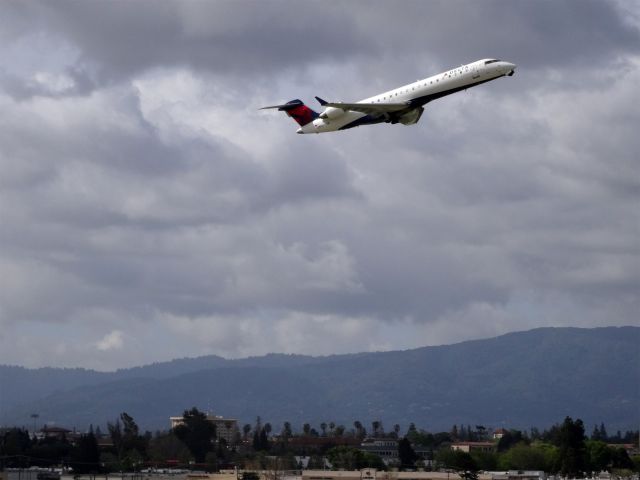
column 48, row 451
column 323, row 427
column 132, row 460
column 115, row 432
column 129, row 426
column 306, row 429
column 14, row 445
column 196, row 432
column 261, row 436
column 211, row 461
column 595, row 435
column 456, row 459
column 509, row 439
column 522, row 457
column 349, row 458
column 223, row 452
column 406, row 453
column 620, row 459
column 168, row 446
column 86, row 455
column 126, row 438
column 263, row 443
column 131, row 438
column 487, row 461
column 245, row 430
column 572, row 459
column 286, row 431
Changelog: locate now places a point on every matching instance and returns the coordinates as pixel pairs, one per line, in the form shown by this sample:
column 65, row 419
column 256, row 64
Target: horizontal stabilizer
column 285, row 106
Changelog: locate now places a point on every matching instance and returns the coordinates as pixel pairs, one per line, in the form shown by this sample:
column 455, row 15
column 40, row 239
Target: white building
column 385, row 448
column 226, row 428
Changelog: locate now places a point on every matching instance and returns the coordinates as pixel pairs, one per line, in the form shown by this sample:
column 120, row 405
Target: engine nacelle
column 412, row 116
column 332, row 113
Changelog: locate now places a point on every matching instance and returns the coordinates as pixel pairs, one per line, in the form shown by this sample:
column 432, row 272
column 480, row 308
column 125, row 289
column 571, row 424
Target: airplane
column 402, row 105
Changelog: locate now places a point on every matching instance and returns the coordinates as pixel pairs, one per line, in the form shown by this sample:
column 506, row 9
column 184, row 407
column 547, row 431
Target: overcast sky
column 149, row 211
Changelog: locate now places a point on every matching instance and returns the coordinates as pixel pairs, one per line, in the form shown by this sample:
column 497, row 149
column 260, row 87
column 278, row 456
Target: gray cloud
column 259, row 39
column 144, row 200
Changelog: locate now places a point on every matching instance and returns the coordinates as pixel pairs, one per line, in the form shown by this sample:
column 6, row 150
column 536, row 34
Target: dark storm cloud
column 225, row 38
column 539, row 34
column 259, row 38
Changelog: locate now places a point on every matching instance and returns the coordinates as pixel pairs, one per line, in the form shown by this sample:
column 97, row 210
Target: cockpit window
column 490, row 61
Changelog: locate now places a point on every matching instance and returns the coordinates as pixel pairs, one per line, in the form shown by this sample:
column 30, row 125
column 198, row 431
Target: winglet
column 321, row 101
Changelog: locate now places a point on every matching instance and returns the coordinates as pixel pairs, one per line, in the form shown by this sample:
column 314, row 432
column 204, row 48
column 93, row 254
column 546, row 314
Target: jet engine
column 332, row 113
column 412, row 116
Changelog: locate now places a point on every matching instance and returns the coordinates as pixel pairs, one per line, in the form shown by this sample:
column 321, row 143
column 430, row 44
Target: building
column 631, row 448
column 308, row 445
column 385, row 448
column 425, row 454
column 226, row 428
column 373, row 474
column 473, row 446
column 519, row 475
column 499, row 433
column 58, row 433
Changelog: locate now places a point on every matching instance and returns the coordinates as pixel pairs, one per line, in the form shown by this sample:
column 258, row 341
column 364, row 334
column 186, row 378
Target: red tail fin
column 297, row 110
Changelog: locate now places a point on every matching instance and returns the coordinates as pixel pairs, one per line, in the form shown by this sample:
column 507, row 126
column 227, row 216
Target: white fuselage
column 418, row 93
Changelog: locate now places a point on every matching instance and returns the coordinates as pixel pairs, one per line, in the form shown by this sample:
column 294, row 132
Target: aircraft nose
column 510, row 68
column 299, row 130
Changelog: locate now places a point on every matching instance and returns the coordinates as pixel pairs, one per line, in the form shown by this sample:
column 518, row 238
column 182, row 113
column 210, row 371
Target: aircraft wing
column 369, row 108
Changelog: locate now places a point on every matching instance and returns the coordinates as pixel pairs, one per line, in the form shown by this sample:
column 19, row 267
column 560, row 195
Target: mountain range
column 517, row 380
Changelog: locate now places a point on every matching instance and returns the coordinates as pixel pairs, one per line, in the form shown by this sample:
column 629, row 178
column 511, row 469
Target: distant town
column 199, row 445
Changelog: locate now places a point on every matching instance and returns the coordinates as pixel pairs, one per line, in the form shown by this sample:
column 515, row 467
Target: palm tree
column 376, row 425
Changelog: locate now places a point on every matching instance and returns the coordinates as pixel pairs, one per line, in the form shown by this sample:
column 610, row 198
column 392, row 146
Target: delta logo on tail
column 298, row 111
column 401, row 105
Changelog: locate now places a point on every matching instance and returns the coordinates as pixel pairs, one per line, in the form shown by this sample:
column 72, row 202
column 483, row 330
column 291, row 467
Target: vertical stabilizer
column 297, row 110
